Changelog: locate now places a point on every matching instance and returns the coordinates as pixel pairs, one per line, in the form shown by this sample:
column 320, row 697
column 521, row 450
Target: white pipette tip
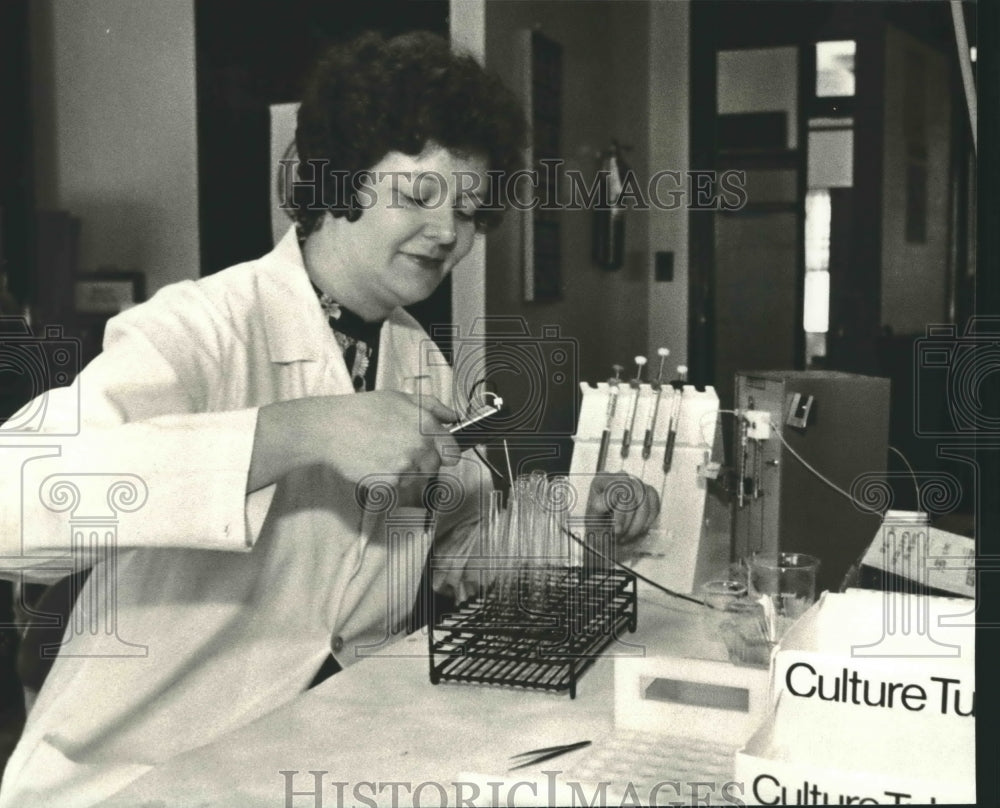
column 640, row 362
column 663, row 352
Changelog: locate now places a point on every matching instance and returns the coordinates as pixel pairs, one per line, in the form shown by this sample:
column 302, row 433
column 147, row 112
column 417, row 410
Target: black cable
column 499, row 475
column 470, row 395
column 913, row 475
column 638, row 575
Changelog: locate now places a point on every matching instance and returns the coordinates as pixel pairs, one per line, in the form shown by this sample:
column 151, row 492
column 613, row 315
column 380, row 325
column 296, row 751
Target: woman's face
column 417, row 222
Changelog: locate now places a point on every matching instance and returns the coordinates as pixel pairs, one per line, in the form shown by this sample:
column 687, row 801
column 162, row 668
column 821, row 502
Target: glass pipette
column 602, row 455
column 647, row 443
column 635, row 384
column 675, row 417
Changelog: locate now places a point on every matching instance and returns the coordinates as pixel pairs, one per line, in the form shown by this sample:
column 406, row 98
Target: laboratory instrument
column 613, row 383
column 647, row 443
column 792, row 427
column 691, row 540
column 524, row 760
column 675, row 409
column 635, row 384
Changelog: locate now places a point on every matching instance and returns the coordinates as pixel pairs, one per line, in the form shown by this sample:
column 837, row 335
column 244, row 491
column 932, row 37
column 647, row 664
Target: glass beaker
column 788, row 581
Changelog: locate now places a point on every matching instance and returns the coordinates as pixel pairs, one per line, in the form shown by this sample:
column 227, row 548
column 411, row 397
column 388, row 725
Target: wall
column 668, row 92
column 604, row 91
column 116, row 142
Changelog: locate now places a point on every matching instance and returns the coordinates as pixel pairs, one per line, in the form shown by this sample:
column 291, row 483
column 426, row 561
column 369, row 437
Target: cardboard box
column 888, row 656
column 873, row 699
column 806, row 754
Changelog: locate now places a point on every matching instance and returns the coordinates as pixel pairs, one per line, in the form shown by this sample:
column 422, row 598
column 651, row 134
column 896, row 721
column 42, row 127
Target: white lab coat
column 226, row 604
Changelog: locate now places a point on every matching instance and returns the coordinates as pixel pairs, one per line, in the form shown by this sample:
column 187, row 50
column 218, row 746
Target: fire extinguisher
column 609, row 216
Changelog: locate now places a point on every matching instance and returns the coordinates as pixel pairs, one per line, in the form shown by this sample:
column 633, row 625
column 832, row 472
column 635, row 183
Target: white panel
column 283, row 117
column 468, row 289
column 816, row 312
column 831, row 158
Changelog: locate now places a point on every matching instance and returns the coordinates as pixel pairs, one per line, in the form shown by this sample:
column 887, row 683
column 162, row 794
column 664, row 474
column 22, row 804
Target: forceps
column 525, row 759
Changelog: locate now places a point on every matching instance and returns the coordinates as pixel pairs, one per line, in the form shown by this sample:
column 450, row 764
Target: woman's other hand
column 383, row 432
column 633, row 505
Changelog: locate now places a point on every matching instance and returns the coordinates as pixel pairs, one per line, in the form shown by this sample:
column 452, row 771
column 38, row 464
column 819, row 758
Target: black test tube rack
column 541, row 631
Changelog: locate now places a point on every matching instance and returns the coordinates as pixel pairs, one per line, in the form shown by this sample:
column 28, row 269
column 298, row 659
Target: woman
column 259, row 539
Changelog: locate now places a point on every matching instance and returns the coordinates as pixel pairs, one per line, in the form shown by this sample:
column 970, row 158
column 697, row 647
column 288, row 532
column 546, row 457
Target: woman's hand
column 632, row 504
column 359, row 434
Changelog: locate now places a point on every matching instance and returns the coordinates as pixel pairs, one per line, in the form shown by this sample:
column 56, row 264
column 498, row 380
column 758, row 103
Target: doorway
column 849, row 123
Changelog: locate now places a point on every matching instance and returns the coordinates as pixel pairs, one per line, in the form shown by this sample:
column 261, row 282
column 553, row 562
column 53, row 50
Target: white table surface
column 381, row 720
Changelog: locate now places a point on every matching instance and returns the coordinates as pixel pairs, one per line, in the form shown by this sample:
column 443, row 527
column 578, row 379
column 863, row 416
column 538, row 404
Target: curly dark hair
column 372, row 96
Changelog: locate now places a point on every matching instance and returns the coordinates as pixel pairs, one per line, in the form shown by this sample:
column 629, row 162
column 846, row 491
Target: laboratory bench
column 381, row 722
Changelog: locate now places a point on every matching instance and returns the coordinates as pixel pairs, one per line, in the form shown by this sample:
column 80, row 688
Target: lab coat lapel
column 294, row 324
column 406, row 357
column 297, row 330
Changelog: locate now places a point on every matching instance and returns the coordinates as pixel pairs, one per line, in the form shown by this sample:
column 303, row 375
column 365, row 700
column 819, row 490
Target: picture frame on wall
column 108, row 292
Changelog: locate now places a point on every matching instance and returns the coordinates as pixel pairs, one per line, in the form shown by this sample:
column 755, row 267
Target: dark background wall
column 16, row 176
